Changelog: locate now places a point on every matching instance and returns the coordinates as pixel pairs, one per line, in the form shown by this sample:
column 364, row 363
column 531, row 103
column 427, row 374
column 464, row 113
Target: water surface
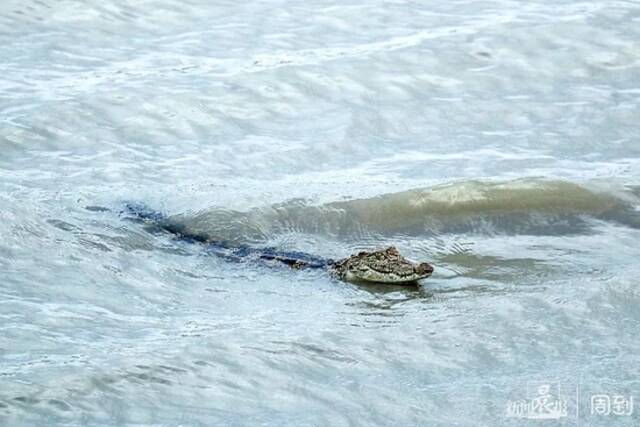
column 498, row 140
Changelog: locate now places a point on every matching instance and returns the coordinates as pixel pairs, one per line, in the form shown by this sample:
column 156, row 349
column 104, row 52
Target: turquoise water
column 498, row 140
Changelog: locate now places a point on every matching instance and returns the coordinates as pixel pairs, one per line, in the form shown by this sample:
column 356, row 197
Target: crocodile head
column 382, row 266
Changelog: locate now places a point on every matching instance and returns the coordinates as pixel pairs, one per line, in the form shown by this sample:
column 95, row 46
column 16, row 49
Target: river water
column 498, row 140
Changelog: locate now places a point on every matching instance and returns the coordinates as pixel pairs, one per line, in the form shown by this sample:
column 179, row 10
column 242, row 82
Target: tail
column 140, row 212
column 154, row 221
column 137, row 212
column 157, row 222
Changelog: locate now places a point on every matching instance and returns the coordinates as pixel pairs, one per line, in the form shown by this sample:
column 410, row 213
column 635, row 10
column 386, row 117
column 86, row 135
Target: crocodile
column 386, row 266
column 381, row 266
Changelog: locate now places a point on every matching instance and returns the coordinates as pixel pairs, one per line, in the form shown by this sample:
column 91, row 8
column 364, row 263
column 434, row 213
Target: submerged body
column 380, row 266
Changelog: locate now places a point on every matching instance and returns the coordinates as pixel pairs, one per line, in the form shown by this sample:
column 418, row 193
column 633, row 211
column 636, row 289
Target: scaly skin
column 382, row 266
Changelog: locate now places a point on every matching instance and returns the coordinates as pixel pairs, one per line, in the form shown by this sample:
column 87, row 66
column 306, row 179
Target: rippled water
column 498, row 140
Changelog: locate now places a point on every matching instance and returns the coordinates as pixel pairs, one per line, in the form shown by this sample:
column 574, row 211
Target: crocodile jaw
column 388, row 278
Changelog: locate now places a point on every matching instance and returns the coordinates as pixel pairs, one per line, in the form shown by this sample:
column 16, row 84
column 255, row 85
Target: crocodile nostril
column 424, row 268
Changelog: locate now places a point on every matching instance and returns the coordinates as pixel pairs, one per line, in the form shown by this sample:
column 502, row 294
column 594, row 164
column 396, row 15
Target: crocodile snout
column 423, row 269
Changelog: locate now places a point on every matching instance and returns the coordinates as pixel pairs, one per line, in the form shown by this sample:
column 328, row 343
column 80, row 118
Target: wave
column 526, row 206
